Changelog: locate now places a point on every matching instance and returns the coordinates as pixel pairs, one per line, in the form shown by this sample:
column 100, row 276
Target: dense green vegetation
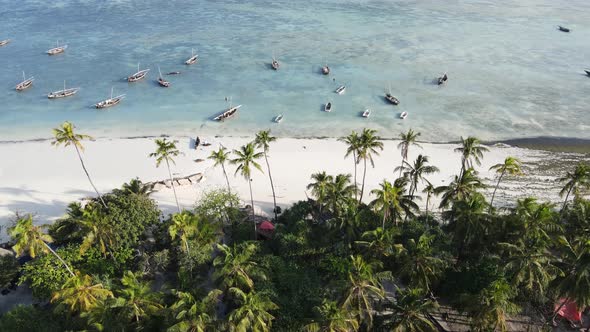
column 333, row 264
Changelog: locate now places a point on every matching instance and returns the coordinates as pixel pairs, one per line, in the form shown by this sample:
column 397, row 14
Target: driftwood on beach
column 182, row 181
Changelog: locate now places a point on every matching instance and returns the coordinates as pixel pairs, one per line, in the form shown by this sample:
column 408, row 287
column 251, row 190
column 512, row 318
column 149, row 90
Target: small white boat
column 193, row 59
column 63, row 93
column 326, row 70
column 110, row 102
column 366, row 113
column 278, row 118
column 57, row 50
column 275, row 64
column 328, row 107
column 341, row 89
column 442, row 79
column 139, row 75
column 230, row 112
column 390, row 98
column 403, row 115
column 4, row 42
column 162, row 81
column 25, row 84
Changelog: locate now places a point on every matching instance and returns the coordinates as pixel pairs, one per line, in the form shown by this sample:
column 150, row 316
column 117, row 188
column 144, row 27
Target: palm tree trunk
column 494, row 193
column 566, row 197
column 252, row 202
column 384, row 217
column 274, row 198
column 226, row 178
column 363, row 185
column 355, row 184
column 427, row 203
column 59, row 258
column 88, row 176
column 401, row 167
column 172, row 183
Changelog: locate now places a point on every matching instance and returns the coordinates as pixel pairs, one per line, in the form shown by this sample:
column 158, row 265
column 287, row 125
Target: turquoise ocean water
column 512, row 74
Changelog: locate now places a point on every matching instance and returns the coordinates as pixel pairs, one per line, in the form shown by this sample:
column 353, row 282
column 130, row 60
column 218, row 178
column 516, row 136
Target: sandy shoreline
column 39, row 178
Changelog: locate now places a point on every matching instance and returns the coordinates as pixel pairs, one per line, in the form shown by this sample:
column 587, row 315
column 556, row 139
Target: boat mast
column 159, row 71
column 112, row 92
column 24, row 77
column 64, row 85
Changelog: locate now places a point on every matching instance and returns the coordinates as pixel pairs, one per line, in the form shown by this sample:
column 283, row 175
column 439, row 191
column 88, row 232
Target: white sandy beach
column 38, row 178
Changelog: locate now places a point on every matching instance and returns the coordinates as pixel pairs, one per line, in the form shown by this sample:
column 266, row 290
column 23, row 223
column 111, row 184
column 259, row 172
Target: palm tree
column 392, row 202
column 339, row 193
column 333, row 319
column 136, row 297
column 194, row 315
column 30, row 239
column 363, row 289
column 252, row 313
column 411, row 310
column 536, row 222
column 408, row 139
column 417, row 171
column 81, row 294
column 65, row 136
column 135, row 187
column 460, row 188
column 510, row 166
column 263, row 140
column 493, row 305
column 98, row 232
column 319, row 188
column 380, row 243
column 468, row 220
column 419, row 265
column 166, row 151
column 220, row 157
column 183, row 225
column 368, row 145
column 471, row 151
column 235, row 266
column 429, row 190
column 353, row 146
column 246, row 159
column 574, row 284
column 580, row 177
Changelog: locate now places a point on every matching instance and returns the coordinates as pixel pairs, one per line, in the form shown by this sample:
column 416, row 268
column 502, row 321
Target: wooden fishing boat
column 63, row 93
column 25, row 84
column 278, row 118
column 173, row 73
column 326, row 70
column 4, row 42
column 442, row 79
column 57, row 50
column 162, row 81
column 139, row 75
column 563, row 29
column 110, row 102
column 391, row 99
column 328, row 107
column 366, row 113
column 341, row 89
column 193, row 58
column 230, row 112
column 275, row 64
column 403, row 115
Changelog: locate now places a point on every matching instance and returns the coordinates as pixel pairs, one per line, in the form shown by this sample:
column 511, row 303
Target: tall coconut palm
column 468, row 220
column 135, row 187
column 136, row 298
column 220, row 157
column 574, row 284
column 536, row 222
column 380, row 243
column 183, row 225
column 417, row 171
column 246, row 159
column 235, row 266
column 579, row 178
column 419, row 265
column 66, row 136
column 252, row 313
column 363, row 289
column 81, row 294
column 166, row 151
column 411, row 310
column 339, row 193
column 192, row 314
column 510, row 166
column 460, row 188
column 97, row 231
column 353, row 146
column 408, row 139
column 471, row 151
column 30, row 239
column 369, row 145
column 319, row 188
column 429, row 190
column 392, row 201
column 263, row 140
column 492, row 307
column 333, row 319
